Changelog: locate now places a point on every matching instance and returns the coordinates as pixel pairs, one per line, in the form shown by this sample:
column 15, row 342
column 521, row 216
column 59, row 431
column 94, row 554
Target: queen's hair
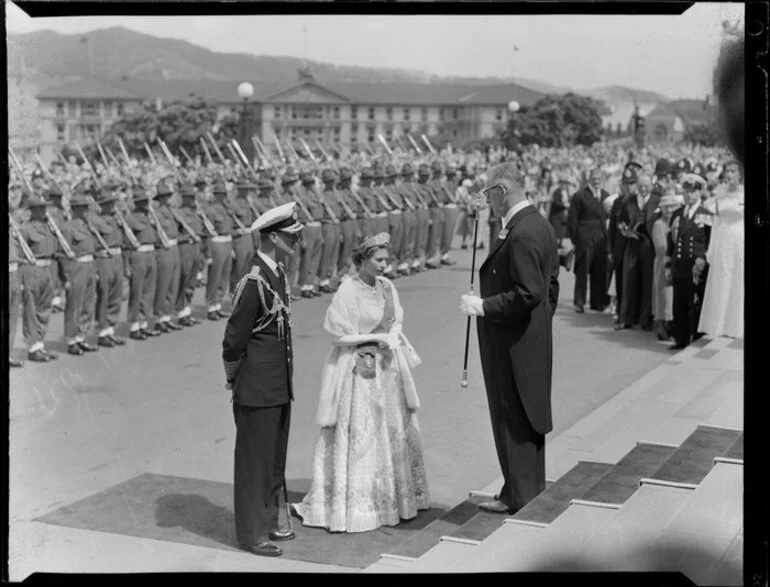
column 369, row 245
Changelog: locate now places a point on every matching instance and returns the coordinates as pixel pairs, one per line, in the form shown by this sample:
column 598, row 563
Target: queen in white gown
column 368, row 468
column 722, row 310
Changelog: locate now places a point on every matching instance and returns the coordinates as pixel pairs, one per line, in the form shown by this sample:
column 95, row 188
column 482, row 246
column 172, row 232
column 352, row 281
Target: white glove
column 471, row 305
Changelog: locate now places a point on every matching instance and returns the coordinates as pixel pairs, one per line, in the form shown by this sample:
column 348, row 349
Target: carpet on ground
column 199, row 512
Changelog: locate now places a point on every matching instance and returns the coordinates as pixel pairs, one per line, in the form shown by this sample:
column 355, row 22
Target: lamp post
column 246, row 91
column 511, row 142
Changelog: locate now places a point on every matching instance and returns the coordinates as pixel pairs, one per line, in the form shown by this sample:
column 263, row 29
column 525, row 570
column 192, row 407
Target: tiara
column 378, row 240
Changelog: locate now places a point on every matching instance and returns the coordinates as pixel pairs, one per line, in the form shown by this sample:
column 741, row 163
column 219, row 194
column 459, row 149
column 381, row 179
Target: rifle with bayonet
column 251, row 204
column 16, row 233
column 324, row 203
column 20, row 170
column 216, row 148
column 88, row 164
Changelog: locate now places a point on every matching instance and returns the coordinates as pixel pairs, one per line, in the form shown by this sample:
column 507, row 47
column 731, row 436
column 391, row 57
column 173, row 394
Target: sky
column 673, row 55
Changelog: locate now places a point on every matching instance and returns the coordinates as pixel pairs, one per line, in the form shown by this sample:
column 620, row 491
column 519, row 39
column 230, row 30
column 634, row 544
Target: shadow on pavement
column 197, row 515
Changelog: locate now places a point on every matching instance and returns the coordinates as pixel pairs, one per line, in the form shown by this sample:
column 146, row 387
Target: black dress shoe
column 74, row 349
column 224, row 313
column 464, row 247
column 185, row 322
column 137, row 335
column 307, row 294
column 193, row 320
column 677, row 347
column 623, row 327
column 316, row 293
column 295, row 298
column 161, row 328
column 148, row 332
column 326, row 289
column 117, row 341
column 263, row 549
column 38, row 356
column 51, row 356
column 106, row 341
column 173, row 326
column 580, row 309
column 89, row 348
column 15, row 363
column 213, row 316
column 282, row 535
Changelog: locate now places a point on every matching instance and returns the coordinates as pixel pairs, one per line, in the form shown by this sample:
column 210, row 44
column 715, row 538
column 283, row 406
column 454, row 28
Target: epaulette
column 253, row 275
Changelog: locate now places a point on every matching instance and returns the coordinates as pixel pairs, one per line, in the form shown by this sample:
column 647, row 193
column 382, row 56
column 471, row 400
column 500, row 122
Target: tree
column 180, row 124
column 555, row 121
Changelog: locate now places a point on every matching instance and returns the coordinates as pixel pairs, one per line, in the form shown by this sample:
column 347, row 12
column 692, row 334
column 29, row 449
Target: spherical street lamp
column 245, row 90
column 511, row 142
column 513, row 106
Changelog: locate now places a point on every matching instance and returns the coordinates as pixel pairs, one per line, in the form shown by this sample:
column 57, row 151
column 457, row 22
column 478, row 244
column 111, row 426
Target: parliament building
column 346, row 114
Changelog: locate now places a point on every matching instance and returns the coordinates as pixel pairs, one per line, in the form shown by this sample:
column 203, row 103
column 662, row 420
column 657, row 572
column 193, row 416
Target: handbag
column 366, row 354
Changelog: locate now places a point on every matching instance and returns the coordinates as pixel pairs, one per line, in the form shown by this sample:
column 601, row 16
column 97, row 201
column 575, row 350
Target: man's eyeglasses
column 488, row 191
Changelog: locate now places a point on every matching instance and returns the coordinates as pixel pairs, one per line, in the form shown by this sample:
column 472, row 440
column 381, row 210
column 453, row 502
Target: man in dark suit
column 519, row 292
column 685, row 260
column 587, row 226
column 257, row 355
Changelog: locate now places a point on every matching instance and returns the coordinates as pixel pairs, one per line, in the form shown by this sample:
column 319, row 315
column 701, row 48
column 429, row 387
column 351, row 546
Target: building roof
column 359, row 92
column 692, row 112
column 89, row 88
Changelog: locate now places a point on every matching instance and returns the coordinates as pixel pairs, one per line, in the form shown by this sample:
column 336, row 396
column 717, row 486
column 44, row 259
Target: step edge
column 727, row 461
column 479, row 493
column 595, row 504
column 718, row 426
column 653, row 443
column 459, row 540
column 398, row 557
column 664, row 483
column 525, row 523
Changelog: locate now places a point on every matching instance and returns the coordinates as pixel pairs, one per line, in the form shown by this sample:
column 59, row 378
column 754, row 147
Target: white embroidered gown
column 368, row 468
column 722, row 310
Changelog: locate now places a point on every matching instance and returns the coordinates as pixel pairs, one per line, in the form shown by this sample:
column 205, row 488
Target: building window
column 120, row 108
column 370, row 138
column 354, row 139
column 60, row 136
column 371, row 113
column 354, row 129
column 90, row 109
column 389, row 113
column 336, row 135
column 354, row 112
column 108, row 108
column 336, row 113
column 456, row 113
column 441, row 114
column 72, row 108
column 389, row 135
column 425, row 114
column 499, row 114
column 276, row 111
column 60, row 109
column 406, row 113
column 454, row 133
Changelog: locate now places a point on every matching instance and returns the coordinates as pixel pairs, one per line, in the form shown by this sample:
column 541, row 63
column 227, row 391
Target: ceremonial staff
column 464, row 382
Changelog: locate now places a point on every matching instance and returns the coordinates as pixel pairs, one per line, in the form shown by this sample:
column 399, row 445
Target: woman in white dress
column 722, row 311
column 368, row 468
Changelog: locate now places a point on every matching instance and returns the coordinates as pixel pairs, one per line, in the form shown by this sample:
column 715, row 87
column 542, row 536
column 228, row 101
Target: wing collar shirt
column 513, row 211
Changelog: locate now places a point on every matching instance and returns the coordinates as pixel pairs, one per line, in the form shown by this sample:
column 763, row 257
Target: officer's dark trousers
column 520, row 450
column 37, row 296
column 636, row 301
column 591, row 261
column 350, row 235
column 109, row 290
column 261, row 440
column 684, row 310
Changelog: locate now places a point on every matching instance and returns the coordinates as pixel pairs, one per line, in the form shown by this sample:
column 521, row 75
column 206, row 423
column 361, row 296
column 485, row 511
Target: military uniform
column 258, row 359
column 37, row 282
column 395, row 218
column 81, row 276
column 334, row 215
column 59, row 269
column 433, row 252
column 312, row 243
column 190, row 256
column 405, row 253
column 450, row 216
column 367, row 197
column 687, row 245
column 350, row 225
column 243, row 240
column 167, row 262
column 426, row 216
column 144, row 269
column 289, row 191
column 109, row 272
column 15, row 260
column 221, row 249
column 384, row 206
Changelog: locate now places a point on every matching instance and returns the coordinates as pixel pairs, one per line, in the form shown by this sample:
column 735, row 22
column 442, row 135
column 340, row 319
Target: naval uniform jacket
column 265, row 361
column 519, row 283
column 689, row 241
